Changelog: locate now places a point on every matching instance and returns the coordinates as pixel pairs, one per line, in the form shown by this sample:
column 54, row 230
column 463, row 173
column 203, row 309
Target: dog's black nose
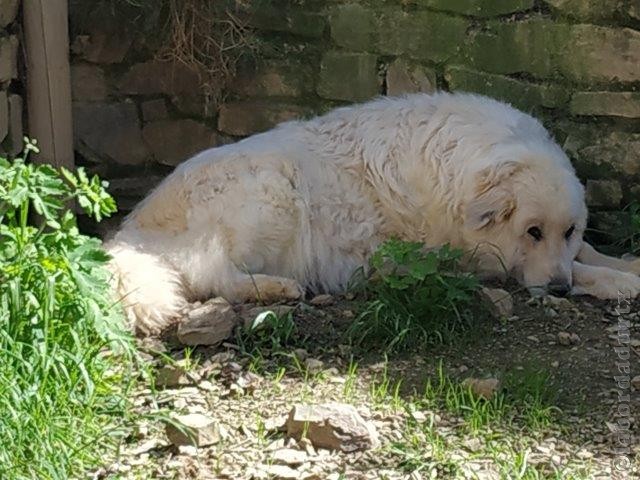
column 559, row 288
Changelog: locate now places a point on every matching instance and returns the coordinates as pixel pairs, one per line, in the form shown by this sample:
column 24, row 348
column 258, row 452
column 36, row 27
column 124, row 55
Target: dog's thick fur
column 303, row 205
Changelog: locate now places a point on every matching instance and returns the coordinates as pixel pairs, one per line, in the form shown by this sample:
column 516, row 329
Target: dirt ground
column 249, row 394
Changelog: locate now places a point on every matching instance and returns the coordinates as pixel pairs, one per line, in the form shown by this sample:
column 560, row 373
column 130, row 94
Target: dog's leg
column 263, row 288
column 603, row 282
column 590, row 256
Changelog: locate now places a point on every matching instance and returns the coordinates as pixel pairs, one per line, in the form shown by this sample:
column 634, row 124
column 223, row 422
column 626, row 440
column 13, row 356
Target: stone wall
column 573, row 63
column 10, row 88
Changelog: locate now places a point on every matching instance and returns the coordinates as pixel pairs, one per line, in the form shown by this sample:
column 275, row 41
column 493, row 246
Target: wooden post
column 49, row 80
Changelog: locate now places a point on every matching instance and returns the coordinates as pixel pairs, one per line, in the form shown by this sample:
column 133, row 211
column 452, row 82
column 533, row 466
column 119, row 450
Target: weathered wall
column 573, row 63
column 10, row 88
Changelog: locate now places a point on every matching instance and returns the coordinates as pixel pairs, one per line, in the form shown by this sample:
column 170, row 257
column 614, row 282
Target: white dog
column 303, row 205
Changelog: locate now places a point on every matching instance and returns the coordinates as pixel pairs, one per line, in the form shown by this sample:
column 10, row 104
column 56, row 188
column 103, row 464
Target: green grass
column 415, row 298
column 64, row 390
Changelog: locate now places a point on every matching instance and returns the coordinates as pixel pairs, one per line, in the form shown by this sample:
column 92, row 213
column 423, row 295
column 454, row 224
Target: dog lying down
column 303, row 205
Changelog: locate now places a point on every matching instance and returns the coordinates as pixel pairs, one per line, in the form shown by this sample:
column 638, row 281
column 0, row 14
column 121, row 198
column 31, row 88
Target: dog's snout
column 559, row 287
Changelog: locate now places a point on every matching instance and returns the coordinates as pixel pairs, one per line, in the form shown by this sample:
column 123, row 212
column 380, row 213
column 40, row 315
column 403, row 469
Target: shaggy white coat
column 303, row 205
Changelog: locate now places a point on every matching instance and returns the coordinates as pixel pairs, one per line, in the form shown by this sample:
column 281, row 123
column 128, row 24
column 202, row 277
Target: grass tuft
column 415, row 298
column 64, row 386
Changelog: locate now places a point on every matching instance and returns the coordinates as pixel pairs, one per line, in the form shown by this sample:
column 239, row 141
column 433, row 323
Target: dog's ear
column 492, row 200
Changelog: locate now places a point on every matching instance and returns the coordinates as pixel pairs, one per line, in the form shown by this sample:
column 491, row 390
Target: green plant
column 415, row 297
column 267, row 332
column 63, row 387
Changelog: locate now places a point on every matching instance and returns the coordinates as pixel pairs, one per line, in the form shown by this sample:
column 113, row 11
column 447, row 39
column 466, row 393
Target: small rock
column 566, row 338
column 193, row 429
column 188, row 450
column 555, row 364
column 322, row 300
column 584, row 454
column 635, row 382
column 209, row 324
column 313, row 365
column 485, row 388
column 334, row 426
column 289, row 456
column 280, row 472
column 301, row 354
column 558, row 302
column 500, row 301
column 173, row 375
column 472, row 444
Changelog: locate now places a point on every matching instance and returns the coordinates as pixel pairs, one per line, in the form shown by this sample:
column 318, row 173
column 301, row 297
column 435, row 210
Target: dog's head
column 527, row 215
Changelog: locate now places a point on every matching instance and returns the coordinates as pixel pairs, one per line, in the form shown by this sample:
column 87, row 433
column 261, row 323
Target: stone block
column 88, row 83
column 155, row 77
column 153, row 110
column 195, row 105
column 274, row 79
column 247, row 118
column 353, row 26
column 543, row 48
column 479, row 8
column 299, row 21
column 349, row 76
column 8, row 58
column 173, row 141
column 406, row 77
column 8, row 12
column 421, row 35
column 521, row 94
column 587, row 9
column 604, row 193
column 106, row 44
column 613, row 104
column 109, row 132
column 597, row 153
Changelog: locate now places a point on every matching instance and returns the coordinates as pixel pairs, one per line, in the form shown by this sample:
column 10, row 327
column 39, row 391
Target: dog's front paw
column 607, row 284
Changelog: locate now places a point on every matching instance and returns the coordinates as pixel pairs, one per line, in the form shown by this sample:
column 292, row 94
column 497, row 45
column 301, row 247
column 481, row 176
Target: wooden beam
column 49, row 80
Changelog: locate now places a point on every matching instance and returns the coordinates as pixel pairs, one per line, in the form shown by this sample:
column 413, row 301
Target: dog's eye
column 568, row 233
column 536, row 233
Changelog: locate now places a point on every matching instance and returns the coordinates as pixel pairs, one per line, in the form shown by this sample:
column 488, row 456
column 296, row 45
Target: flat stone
column 173, row 141
column 523, row 95
column 295, row 20
column 109, row 132
column 353, row 26
column 549, row 49
column 334, row 426
column 247, row 118
column 322, row 300
column 588, row 9
column 421, row 35
column 173, row 375
column 155, row 77
column 274, row 79
column 603, row 193
column 153, row 110
column 499, row 300
column 613, row 104
column 209, row 324
column 88, row 83
column 598, row 154
column 8, row 58
column 361, row 70
column 406, row 77
column 193, row 429
column 8, row 12
column 289, row 456
column 479, row 8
